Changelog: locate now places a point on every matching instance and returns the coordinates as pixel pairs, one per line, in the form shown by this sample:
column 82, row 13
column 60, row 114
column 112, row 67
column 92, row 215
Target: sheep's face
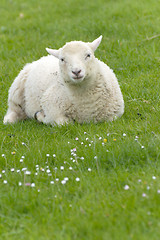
column 76, row 60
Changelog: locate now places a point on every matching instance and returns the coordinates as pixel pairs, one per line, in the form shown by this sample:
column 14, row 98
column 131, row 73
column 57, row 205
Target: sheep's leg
column 41, row 117
column 16, row 100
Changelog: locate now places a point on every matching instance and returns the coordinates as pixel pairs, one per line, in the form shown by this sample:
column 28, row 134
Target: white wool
column 68, row 85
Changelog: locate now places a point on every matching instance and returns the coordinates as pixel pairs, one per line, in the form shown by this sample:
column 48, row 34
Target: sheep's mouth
column 77, row 78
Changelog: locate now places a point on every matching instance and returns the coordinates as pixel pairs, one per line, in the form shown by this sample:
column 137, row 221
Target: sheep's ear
column 94, row 45
column 53, row 52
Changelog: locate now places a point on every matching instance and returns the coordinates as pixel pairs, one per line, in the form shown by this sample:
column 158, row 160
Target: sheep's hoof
column 39, row 116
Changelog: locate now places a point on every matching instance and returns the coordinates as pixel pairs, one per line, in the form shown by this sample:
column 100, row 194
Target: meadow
column 91, row 181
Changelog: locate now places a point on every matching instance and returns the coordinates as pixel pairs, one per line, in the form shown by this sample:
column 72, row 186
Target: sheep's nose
column 76, row 73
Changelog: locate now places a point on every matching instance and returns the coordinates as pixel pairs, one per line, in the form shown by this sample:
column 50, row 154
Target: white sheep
column 68, row 85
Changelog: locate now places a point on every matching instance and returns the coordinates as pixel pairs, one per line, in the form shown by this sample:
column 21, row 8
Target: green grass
column 97, row 206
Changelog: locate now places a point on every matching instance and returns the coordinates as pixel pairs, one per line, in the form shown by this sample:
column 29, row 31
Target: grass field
column 91, row 181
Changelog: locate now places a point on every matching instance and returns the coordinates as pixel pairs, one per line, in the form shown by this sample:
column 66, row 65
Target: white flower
column 144, row 195
column 148, row 187
column 47, row 155
column 89, row 170
column 21, row 160
column 12, row 169
column 33, row 185
column 57, row 179
column 82, row 158
column 24, row 169
column 19, row 184
column 85, row 133
column 23, row 157
column 77, row 179
column 5, row 182
column 100, row 138
column 124, row 134
column 3, row 155
column 154, row 178
column 76, row 139
column 62, row 168
column 70, row 168
column 23, row 143
column 63, row 182
column 82, row 143
column 51, row 182
column 89, row 145
column 36, row 173
column 86, row 139
column 18, row 171
column 38, row 190
column 142, row 147
column 48, row 171
column 3, row 171
column 66, row 178
column 0, row 175
column 95, row 157
column 126, row 187
column 27, row 172
column 54, row 155
column 139, row 180
column 102, row 143
column 158, row 191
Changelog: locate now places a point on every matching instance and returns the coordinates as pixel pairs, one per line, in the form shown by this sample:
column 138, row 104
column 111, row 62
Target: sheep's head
column 76, row 60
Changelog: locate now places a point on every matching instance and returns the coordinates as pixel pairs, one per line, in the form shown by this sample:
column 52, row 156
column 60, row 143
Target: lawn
column 91, row 181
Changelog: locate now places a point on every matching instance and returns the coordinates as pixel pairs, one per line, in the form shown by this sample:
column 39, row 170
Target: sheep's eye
column 88, row 55
column 62, row 59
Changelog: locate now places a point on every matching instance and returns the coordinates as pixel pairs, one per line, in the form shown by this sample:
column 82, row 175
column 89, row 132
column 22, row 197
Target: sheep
column 70, row 84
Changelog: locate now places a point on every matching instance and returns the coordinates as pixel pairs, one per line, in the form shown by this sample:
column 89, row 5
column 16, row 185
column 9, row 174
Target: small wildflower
column 51, row 182
column 148, row 187
column 27, row 184
column 74, row 149
column 126, row 187
column 3, row 171
column 47, row 155
column 68, row 142
column 142, row 147
column 38, row 190
column 144, row 195
column 76, row 139
column 21, row 160
column 13, row 153
column 27, row 172
column 154, row 178
column 19, row 184
column 23, row 144
column 12, row 169
column 158, row 191
column 57, row 179
column 36, row 173
column 139, row 180
column 73, row 160
column 62, row 168
column 33, row 185
column 105, row 140
column 66, row 178
column 114, row 139
column 95, row 157
column 102, row 143
column 85, row 133
column 42, row 169
column 24, row 169
column 100, row 138
column 82, row 158
column 89, row 170
column 49, row 174
column 5, row 182
column 18, row 170
column 108, row 134
column 77, row 179
column 48, row 171
column 70, row 168
column 3, row 155
column 54, row 155
column 23, row 157
column 82, row 143
column 37, row 166
column 124, row 134
column 89, row 145
column 86, row 139
column 55, row 168
column 63, row 182
column 0, row 175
